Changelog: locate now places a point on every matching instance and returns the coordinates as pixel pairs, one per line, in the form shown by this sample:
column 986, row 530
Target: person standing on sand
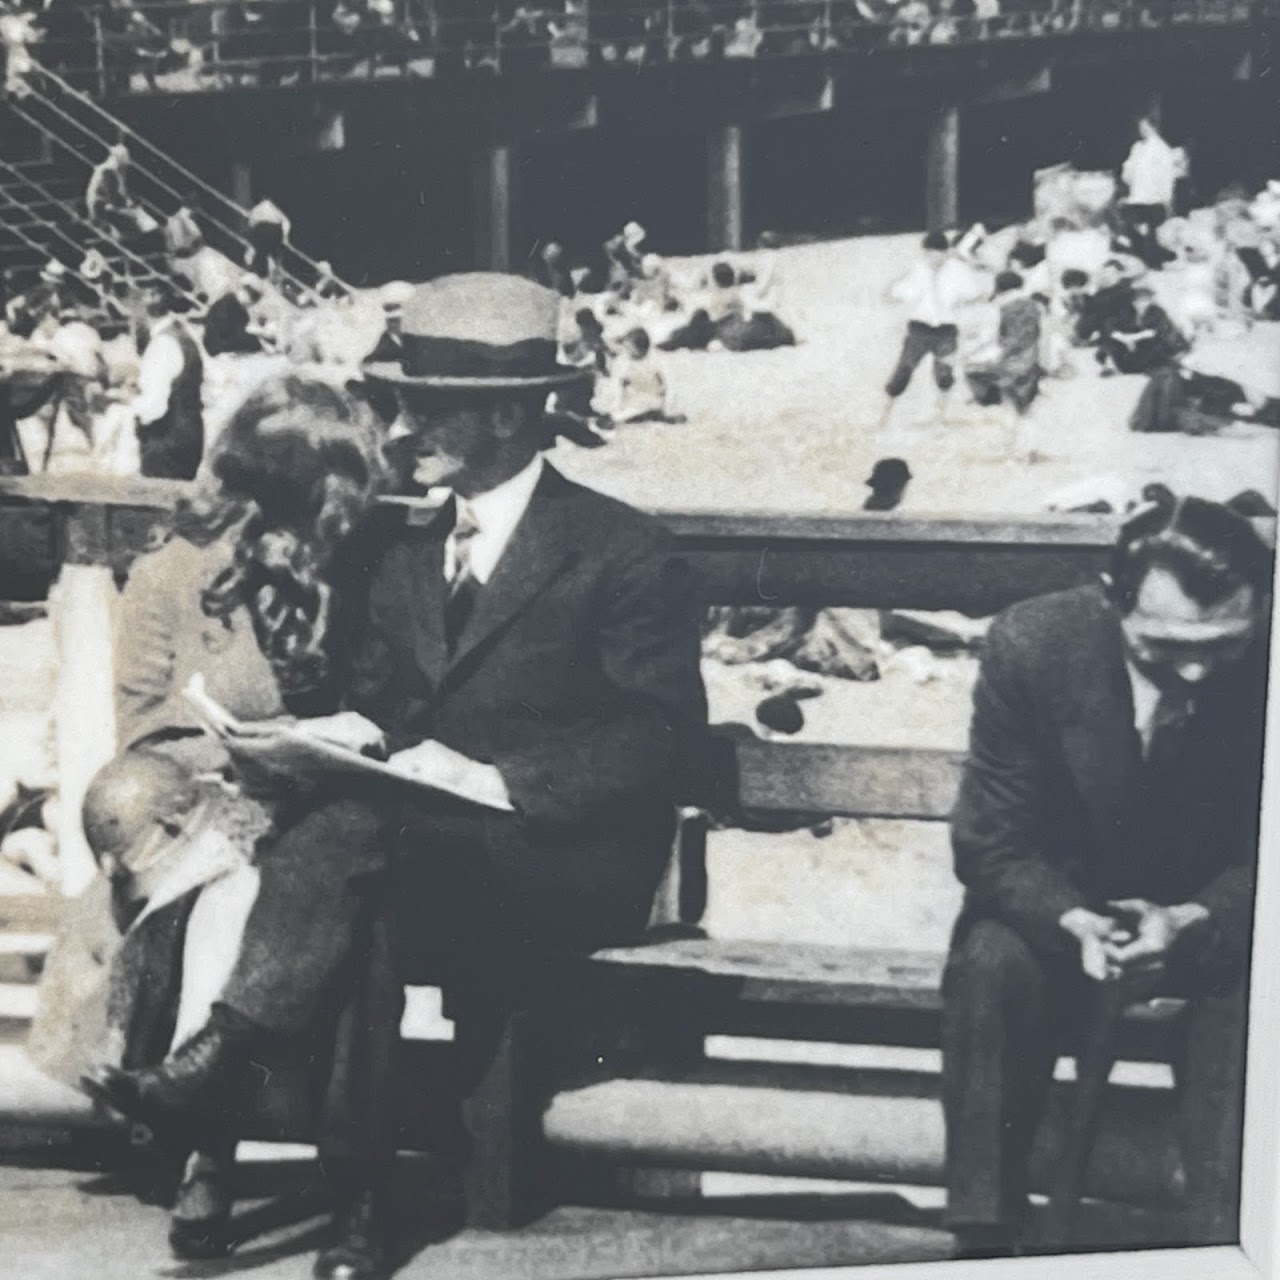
column 934, row 292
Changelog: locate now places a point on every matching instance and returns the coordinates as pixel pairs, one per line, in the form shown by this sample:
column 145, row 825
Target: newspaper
column 313, row 754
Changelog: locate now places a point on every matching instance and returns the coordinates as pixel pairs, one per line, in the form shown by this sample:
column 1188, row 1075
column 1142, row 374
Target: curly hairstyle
column 294, row 470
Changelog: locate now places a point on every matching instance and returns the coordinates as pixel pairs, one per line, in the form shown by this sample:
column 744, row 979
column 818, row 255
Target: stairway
column 51, row 138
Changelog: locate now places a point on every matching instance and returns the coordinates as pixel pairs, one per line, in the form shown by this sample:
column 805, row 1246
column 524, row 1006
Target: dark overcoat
column 577, row 675
column 1056, row 808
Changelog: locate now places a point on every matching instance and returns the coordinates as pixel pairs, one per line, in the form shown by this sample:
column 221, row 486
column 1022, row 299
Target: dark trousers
column 337, row 931
column 312, row 971
column 172, row 447
column 1005, row 1011
column 1143, row 357
column 922, row 340
column 1141, row 222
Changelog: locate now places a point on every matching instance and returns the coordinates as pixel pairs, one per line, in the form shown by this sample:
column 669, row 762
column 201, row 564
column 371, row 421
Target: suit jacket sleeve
column 370, row 685
column 996, row 826
column 632, row 750
column 1229, row 896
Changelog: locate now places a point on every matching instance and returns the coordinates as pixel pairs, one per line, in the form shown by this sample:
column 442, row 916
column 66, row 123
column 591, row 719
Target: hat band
column 455, row 358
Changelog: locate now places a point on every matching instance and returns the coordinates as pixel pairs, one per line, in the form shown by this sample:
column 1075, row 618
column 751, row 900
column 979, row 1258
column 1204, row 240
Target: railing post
column 100, row 56
column 215, row 43
column 82, row 603
column 241, row 184
column 724, row 187
column 496, row 205
column 313, row 43
column 942, row 169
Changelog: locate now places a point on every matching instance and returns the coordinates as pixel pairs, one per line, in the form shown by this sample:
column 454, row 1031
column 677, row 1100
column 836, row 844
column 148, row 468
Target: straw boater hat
column 480, row 331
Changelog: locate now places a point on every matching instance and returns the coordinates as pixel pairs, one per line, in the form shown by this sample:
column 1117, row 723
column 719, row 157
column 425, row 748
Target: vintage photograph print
column 633, row 633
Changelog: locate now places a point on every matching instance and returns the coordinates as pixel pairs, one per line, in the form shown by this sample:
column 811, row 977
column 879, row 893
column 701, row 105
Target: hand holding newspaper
column 340, row 744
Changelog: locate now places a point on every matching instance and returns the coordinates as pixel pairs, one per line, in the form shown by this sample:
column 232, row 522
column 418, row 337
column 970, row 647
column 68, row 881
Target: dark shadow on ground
column 887, row 1207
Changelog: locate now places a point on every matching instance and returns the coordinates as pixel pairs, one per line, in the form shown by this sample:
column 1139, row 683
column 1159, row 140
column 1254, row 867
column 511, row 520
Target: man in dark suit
column 1107, row 823
column 535, row 646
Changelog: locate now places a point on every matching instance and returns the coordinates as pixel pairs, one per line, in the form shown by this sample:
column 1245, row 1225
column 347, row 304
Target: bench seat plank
column 794, row 972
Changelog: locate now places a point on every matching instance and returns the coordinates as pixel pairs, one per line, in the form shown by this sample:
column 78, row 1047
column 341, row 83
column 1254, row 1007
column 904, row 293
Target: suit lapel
column 426, row 594
column 1100, row 741
column 540, row 548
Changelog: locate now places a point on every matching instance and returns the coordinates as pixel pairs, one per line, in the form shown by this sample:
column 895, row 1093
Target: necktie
column 460, row 579
column 1173, row 710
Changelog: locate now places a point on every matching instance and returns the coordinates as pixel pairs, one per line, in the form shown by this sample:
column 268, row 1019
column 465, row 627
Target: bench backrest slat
column 976, row 565
column 863, row 782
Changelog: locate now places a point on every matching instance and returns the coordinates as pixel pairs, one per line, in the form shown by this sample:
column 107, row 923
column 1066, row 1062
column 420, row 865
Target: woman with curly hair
column 248, row 594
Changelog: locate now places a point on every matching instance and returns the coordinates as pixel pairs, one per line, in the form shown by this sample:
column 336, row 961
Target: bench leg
column 502, row 1180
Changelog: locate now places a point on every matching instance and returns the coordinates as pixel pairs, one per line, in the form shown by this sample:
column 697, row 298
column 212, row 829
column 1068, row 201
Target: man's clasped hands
column 1134, row 936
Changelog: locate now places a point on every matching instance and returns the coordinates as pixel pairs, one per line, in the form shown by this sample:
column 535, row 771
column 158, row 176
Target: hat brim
column 389, row 372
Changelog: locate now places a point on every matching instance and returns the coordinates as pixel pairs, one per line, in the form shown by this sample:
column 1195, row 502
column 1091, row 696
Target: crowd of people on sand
column 1108, row 274
column 630, row 301
column 113, row 371
column 129, row 43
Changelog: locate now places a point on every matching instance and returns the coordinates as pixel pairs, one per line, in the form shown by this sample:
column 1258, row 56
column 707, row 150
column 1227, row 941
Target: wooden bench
column 613, row 1069
column 632, row 1088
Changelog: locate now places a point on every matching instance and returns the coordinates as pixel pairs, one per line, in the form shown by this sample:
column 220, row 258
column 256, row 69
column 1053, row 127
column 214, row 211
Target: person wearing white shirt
column 1150, row 173
column 169, row 405
column 934, row 292
column 491, row 518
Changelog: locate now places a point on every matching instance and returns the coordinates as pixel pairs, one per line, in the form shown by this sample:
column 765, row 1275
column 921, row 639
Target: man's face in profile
column 1178, row 643
column 451, row 438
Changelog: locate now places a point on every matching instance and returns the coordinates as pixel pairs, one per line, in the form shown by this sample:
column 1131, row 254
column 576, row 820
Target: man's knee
column 992, row 964
column 346, row 823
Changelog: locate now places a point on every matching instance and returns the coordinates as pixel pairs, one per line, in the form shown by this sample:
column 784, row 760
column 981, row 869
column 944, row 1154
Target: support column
column 242, row 183
column 1151, row 106
column 942, row 170
column 724, row 188
column 495, row 188
column 82, row 607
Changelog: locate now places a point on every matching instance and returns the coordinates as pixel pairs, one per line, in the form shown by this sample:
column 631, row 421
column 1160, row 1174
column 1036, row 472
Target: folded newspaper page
column 313, row 753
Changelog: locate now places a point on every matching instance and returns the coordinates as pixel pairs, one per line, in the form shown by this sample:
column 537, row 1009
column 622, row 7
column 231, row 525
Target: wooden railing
column 175, row 46
column 88, row 529
column 974, row 564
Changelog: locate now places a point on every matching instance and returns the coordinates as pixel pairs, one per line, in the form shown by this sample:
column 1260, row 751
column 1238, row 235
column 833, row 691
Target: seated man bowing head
column 1106, row 831
column 533, row 645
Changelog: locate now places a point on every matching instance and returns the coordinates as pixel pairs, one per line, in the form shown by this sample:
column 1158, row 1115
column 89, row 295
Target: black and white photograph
column 634, row 639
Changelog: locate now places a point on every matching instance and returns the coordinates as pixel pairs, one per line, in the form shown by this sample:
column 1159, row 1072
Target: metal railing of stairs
column 138, row 272
column 159, row 182
column 108, row 313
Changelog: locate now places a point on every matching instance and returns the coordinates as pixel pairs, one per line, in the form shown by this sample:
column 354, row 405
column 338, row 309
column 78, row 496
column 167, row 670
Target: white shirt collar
column 495, row 514
column 1146, row 701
